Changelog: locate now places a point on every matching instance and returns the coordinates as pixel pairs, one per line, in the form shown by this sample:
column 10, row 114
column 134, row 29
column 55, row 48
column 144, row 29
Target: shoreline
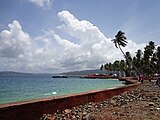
column 142, row 103
column 56, row 93
column 52, row 97
column 35, row 108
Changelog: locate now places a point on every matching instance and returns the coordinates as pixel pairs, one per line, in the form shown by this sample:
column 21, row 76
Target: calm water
column 18, row 88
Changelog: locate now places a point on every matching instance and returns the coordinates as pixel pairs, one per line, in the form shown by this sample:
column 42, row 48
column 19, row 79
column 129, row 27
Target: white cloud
column 18, row 51
column 95, row 48
column 83, row 30
column 52, row 52
column 67, row 44
column 46, row 4
column 14, row 42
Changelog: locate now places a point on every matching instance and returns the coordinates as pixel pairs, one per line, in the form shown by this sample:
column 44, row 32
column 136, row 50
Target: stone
column 151, row 109
column 151, row 104
column 84, row 113
column 121, row 114
column 158, row 108
column 59, row 112
column 73, row 117
column 86, row 117
column 155, row 98
column 89, row 106
column 112, row 101
column 131, row 100
column 77, row 116
column 73, row 113
column 90, row 103
column 67, row 111
column 115, row 113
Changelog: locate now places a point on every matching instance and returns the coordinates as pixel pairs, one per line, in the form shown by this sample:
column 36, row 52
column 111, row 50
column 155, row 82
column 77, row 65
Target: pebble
column 151, row 104
column 151, row 109
column 158, row 108
column 67, row 111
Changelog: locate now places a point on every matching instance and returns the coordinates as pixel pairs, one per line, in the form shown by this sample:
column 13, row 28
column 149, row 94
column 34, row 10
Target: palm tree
column 153, row 62
column 158, row 58
column 152, row 45
column 149, row 57
column 101, row 68
column 122, row 67
column 137, row 60
column 120, row 40
column 116, row 65
column 128, row 60
column 106, row 66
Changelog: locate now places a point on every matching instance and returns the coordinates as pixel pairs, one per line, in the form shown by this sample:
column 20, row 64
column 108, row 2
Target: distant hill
column 85, row 72
column 13, row 73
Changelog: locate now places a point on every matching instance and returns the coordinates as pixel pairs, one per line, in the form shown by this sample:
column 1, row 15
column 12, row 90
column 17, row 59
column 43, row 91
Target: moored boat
column 59, row 76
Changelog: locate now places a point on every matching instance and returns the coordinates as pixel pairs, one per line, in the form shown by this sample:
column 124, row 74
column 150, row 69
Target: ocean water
column 15, row 88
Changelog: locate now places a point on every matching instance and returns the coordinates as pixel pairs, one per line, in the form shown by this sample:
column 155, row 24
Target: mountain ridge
column 13, row 73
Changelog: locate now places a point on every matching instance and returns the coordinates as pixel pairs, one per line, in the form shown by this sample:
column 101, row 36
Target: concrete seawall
column 33, row 109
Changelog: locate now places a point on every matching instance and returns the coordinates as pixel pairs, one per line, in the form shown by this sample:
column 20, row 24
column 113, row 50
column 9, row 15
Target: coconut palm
column 137, row 60
column 149, row 58
column 106, row 66
column 122, row 67
column 128, row 60
column 101, row 68
column 120, row 40
column 158, row 58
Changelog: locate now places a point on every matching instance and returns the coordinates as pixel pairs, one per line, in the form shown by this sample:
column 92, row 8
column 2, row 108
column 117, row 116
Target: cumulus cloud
column 86, row 32
column 51, row 52
column 95, row 48
column 18, row 51
column 46, row 4
column 14, row 42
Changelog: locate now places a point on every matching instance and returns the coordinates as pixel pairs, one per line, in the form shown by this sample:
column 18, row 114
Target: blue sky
column 66, row 35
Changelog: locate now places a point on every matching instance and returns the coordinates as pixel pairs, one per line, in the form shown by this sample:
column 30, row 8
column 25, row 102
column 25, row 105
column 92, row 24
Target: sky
column 71, row 35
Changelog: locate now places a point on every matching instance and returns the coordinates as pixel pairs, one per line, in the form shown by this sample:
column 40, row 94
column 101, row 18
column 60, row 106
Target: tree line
column 145, row 62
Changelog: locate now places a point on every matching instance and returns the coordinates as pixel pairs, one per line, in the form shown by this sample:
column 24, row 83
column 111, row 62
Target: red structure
column 100, row 76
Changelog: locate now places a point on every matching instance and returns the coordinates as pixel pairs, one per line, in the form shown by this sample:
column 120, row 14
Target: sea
column 16, row 88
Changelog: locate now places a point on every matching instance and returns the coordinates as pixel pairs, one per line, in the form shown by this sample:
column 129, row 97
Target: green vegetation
column 144, row 62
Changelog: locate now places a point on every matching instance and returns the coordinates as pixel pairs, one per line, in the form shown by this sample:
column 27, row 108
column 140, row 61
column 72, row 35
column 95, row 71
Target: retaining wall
column 33, row 109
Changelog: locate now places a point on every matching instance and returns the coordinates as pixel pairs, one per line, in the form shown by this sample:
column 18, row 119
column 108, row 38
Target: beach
column 142, row 103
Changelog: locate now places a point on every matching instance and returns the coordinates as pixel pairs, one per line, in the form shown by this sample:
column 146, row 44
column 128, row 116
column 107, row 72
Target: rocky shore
column 142, row 103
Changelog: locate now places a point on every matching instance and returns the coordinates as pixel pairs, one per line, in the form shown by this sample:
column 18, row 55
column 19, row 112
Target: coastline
column 142, row 103
column 37, row 87
column 33, row 109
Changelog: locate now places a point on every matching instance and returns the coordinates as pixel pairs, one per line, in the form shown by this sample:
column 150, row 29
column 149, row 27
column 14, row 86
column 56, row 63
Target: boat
column 59, row 76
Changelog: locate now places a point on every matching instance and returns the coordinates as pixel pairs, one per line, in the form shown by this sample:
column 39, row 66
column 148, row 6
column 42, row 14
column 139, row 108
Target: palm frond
column 115, row 42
